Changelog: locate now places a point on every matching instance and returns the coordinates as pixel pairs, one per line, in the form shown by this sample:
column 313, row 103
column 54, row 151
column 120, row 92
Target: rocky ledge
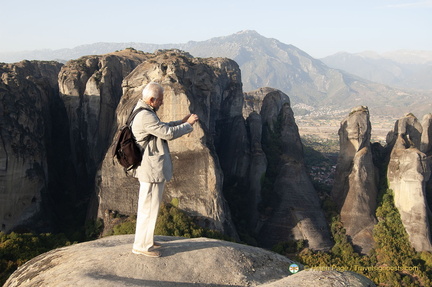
column 184, row 262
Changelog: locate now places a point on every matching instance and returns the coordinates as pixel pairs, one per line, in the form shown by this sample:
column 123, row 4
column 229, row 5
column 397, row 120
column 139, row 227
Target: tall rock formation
column 426, row 136
column 291, row 209
column 28, row 107
column 355, row 185
column 408, row 171
column 426, row 148
column 258, row 167
column 91, row 88
column 210, row 88
column 53, row 154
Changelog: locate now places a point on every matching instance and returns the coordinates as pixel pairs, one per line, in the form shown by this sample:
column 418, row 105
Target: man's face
column 156, row 103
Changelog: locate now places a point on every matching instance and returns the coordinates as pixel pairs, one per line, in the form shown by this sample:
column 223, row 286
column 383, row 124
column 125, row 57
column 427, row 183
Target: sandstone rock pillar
column 210, row 88
column 426, row 137
column 408, row 171
column 27, row 92
column 355, row 186
column 292, row 209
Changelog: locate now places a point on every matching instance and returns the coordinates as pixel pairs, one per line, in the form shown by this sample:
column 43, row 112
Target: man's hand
column 186, row 118
column 193, row 118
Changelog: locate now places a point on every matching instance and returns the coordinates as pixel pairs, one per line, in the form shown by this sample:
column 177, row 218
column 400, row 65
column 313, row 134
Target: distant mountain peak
column 248, row 32
column 243, row 35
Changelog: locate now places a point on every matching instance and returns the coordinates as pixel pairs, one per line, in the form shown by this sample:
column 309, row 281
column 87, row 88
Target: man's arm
column 152, row 125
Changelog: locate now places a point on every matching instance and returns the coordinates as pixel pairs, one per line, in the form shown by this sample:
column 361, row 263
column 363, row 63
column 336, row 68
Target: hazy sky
column 319, row 27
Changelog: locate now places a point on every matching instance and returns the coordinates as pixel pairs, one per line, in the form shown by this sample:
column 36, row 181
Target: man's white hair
column 152, row 90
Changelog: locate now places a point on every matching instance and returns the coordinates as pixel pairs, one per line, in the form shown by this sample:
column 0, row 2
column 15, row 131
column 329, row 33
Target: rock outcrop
column 323, row 279
column 28, row 109
column 210, row 88
column 355, row 185
column 408, row 171
column 426, row 137
column 291, row 207
column 91, row 88
column 184, row 262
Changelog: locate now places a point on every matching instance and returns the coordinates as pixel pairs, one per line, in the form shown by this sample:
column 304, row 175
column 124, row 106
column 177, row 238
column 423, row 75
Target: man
column 156, row 166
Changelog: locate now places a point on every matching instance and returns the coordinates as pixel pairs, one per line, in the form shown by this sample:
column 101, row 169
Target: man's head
column 152, row 95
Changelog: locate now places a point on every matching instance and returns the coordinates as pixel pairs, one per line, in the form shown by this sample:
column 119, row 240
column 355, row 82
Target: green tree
column 16, row 249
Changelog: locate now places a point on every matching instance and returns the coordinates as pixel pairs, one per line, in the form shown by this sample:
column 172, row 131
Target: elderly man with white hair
column 156, row 165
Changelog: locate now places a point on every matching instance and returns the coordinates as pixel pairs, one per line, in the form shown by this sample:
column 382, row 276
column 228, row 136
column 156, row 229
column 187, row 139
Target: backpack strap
column 133, row 114
column 149, row 137
column 115, row 143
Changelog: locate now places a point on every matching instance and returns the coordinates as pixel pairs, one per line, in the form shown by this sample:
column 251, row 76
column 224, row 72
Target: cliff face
column 408, row 171
column 210, row 88
column 292, row 207
column 355, row 186
column 28, row 99
column 91, row 89
column 53, row 151
column 426, row 148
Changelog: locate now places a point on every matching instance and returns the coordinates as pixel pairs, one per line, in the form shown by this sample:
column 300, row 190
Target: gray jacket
column 156, row 165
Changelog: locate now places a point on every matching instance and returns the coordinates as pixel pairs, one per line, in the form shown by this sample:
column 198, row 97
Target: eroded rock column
column 291, row 207
column 27, row 91
column 210, row 88
column 355, row 186
column 408, row 171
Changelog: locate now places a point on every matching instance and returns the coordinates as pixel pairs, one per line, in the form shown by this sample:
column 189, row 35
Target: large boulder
column 291, row 209
column 408, row 171
column 28, row 105
column 355, row 185
column 184, row 262
column 210, row 88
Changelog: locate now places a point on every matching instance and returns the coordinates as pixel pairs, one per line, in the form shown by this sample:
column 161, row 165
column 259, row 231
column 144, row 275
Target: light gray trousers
column 150, row 197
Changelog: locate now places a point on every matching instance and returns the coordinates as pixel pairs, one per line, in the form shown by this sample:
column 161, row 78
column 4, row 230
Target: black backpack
column 125, row 148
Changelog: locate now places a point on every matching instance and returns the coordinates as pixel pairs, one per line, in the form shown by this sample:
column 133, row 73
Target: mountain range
column 403, row 69
column 318, row 88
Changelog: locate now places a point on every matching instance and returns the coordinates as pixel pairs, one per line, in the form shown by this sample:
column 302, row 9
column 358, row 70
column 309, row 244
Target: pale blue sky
column 319, row 27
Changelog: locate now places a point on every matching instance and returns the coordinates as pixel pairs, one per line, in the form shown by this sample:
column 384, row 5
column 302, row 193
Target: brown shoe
column 156, row 246
column 147, row 253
